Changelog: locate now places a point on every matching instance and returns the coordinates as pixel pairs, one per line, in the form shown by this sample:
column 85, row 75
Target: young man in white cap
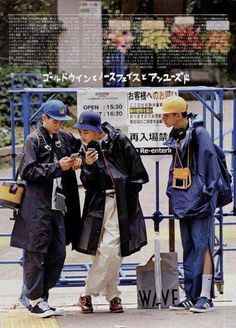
column 51, row 195
column 193, row 200
column 113, row 223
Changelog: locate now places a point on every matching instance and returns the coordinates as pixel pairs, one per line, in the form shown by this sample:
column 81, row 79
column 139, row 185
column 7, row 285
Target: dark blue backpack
column 225, row 191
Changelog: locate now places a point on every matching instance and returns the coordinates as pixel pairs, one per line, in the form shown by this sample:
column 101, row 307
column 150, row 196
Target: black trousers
column 42, row 270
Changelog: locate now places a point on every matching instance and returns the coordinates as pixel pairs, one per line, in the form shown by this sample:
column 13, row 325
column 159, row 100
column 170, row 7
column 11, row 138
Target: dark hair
column 184, row 114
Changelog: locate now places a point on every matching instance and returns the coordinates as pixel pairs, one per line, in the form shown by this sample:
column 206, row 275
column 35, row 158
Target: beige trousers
column 103, row 276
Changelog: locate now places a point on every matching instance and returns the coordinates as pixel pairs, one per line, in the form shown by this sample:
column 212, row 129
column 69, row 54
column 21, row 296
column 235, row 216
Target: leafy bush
column 5, row 137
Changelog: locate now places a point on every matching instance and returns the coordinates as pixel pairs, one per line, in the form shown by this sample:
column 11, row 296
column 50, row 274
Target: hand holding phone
column 91, row 156
column 74, row 155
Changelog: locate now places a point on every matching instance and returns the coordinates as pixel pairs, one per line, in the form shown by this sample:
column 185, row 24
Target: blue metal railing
column 215, row 108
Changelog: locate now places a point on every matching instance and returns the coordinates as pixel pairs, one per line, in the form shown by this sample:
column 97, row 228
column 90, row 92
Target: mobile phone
column 74, row 155
column 91, row 150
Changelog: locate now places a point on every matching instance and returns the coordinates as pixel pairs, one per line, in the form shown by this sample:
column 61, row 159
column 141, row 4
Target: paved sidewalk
column 13, row 315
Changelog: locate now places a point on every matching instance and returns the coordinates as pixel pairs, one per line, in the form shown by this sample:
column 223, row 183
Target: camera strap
column 181, row 176
column 58, row 197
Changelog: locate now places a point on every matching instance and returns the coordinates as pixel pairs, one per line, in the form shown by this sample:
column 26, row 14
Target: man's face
column 171, row 119
column 51, row 125
column 87, row 136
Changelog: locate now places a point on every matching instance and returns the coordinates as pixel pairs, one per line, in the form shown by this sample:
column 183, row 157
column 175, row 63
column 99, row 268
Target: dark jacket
column 199, row 200
column 32, row 228
column 129, row 174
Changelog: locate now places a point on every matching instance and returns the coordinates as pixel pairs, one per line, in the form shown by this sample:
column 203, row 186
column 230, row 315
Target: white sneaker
column 57, row 311
column 41, row 310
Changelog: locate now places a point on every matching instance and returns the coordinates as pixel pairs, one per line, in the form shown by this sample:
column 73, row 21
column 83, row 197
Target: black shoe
column 186, row 304
column 41, row 310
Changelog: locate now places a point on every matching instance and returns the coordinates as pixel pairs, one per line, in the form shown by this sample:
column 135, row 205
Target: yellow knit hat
column 173, row 104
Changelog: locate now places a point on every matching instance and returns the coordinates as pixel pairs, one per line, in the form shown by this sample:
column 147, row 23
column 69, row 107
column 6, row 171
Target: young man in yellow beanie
column 192, row 189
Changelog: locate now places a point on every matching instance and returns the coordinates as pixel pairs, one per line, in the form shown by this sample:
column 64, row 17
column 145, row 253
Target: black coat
column 32, row 228
column 129, row 174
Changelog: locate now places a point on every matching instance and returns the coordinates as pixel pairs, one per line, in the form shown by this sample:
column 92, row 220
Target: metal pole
column 212, row 118
column 26, row 114
column 13, row 142
column 221, row 135
column 156, row 222
column 158, row 281
column 234, row 153
column 221, row 254
column 171, row 231
column 204, row 107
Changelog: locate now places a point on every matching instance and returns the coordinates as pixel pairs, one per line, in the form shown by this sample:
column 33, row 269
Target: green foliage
column 25, row 7
column 190, row 5
column 106, row 5
column 214, row 7
column 5, row 137
column 17, row 7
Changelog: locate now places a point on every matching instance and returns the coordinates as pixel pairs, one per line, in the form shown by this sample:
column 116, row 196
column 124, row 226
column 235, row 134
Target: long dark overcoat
column 32, row 228
column 129, row 174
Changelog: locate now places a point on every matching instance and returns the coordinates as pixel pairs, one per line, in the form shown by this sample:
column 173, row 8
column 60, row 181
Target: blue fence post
column 204, row 107
column 212, row 117
column 26, row 114
column 221, row 134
